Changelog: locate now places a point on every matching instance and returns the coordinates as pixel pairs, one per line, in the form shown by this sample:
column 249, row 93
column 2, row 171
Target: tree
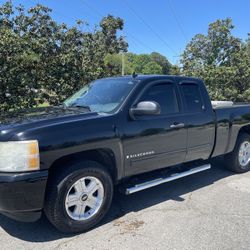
column 175, row 70
column 152, row 68
column 153, row 63
column 222, row 60
column 139, row 62
column 113, row 64
column 162, row 61
column 44, row 61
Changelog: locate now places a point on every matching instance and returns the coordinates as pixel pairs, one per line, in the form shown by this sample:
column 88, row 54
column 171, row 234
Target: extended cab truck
column 66, row 160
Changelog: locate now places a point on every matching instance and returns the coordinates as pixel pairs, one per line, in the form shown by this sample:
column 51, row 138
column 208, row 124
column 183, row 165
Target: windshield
column 104, row 95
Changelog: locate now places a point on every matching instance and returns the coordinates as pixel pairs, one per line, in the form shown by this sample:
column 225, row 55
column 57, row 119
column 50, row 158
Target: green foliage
column 162, row 61
column 42, row 61
column 175, row 70
column 222, row 60
column 153, row 63
column 113, row 65
column 152, row 68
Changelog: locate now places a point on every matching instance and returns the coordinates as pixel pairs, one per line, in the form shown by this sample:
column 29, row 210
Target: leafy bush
column 42, row 61
column 222, row 60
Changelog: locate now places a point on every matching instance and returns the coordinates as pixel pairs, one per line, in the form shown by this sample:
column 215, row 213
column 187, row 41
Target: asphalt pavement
column 208, row 210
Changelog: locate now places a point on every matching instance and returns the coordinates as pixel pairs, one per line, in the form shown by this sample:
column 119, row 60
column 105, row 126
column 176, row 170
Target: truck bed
column 229, row 120
column 228, row 104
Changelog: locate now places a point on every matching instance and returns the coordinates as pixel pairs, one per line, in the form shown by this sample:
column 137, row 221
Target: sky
column 164, row 26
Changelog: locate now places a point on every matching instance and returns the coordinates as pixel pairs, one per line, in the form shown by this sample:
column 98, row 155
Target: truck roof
column 154, row 77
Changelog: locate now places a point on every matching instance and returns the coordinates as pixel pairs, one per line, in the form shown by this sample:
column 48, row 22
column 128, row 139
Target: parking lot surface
column 209, row 210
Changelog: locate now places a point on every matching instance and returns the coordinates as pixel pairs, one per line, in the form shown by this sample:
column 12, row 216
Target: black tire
column 232, row 159
column 58, row 187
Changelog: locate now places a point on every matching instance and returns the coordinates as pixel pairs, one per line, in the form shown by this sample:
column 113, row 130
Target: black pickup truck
column 131, row 132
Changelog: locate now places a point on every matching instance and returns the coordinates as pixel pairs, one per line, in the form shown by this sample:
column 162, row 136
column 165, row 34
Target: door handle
column 177, row 125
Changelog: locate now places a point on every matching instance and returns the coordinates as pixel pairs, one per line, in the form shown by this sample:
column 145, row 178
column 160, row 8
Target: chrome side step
column 156, row 182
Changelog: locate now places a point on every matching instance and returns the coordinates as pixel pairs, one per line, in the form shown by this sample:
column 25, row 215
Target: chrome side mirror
column 145, row 108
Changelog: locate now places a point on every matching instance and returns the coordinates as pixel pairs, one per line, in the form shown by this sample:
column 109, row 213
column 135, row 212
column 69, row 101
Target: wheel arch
column 245, row 129
column 104, row 156
column 234, row 135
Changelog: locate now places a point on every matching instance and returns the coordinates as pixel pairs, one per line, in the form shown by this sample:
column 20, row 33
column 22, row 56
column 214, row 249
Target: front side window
column 104, row 95
column 165, row 95
column 192, row 97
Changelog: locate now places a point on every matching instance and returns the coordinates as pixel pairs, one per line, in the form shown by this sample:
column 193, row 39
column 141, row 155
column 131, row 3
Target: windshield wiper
column 81, row 106
column 62, row 105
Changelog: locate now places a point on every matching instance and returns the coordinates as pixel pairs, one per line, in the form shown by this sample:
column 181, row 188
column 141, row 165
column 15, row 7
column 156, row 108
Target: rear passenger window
column 192, row 97
column 165, row 95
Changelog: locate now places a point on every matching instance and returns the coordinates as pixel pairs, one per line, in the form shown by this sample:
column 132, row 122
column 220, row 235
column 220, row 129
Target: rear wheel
column 77, row 199
column 239, row 160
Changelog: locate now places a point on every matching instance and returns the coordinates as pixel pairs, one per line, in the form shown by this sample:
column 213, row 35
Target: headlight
column 18, row 156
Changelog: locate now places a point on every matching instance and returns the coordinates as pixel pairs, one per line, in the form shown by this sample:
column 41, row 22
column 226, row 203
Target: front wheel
column 239, row 160
column 79, row 198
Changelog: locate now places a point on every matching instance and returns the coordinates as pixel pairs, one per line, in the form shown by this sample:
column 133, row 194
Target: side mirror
column 145, row 108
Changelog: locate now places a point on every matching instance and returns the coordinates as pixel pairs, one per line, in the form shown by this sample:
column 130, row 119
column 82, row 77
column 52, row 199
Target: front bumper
column 22, row 194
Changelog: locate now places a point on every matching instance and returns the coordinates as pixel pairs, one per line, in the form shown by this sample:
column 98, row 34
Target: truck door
column 199, row 120
column 156, row 141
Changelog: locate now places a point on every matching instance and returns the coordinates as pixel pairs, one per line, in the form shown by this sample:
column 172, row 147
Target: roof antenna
column 134, row 75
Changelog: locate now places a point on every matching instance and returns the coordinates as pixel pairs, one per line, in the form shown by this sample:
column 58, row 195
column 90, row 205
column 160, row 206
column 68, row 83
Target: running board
column 156, row 182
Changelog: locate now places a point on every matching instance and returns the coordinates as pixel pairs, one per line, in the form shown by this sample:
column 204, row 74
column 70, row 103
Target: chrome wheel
column 244, row 153
column 84, row 198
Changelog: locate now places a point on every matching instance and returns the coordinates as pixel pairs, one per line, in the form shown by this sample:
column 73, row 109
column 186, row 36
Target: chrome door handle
column 177, row 125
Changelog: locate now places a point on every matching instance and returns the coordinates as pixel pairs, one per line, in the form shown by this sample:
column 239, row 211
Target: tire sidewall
column 76, row 172
column 242, row 138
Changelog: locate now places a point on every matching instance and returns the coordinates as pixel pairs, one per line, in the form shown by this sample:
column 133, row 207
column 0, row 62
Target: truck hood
column 13, row 122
